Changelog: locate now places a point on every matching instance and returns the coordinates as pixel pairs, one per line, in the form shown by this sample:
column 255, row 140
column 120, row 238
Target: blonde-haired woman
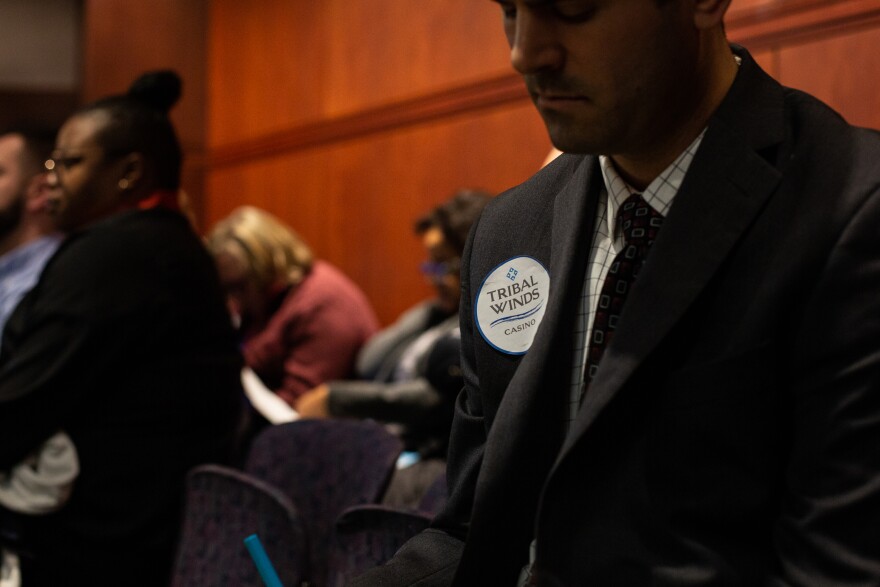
column 302, row 321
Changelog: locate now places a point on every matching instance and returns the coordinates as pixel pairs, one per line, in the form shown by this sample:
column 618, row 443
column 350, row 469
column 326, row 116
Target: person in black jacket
column 702, row 412
column 124, row 344
column 409, row 372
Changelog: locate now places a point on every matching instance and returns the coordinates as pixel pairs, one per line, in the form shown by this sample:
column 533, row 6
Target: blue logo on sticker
column 510, row 304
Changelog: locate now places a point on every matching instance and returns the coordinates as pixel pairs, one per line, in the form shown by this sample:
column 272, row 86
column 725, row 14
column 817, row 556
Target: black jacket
column 729, row 435
column 124, row 344
column 422, row 402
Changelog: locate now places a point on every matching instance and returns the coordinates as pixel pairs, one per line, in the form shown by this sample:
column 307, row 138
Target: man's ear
column 38, row 193
column 709, row 14
column 132, row 167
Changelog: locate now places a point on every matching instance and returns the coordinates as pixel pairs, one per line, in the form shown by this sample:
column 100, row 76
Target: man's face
column 443, row 272
column 608, row 76
column 14, row 180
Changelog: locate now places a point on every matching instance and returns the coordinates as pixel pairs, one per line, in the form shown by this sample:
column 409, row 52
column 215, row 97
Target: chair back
column 435, row 496
column 367, row 536
column 223, row 507
column 324, row 467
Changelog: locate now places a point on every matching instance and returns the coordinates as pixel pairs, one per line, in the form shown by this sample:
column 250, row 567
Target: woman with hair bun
column 124, row 345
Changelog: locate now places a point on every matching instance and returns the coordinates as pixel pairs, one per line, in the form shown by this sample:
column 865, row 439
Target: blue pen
column 261, row 559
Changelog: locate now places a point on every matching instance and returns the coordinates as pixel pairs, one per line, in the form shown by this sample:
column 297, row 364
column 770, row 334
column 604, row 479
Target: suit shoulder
column 829, row 165
column 538, row 190
column 810, row 117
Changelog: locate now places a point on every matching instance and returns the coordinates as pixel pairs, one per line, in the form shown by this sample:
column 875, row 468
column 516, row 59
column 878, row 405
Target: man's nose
column 535, row 45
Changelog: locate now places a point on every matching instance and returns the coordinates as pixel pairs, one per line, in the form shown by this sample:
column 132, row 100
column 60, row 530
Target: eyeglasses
column 61, row 161
column 437, row 270
column 58, row 163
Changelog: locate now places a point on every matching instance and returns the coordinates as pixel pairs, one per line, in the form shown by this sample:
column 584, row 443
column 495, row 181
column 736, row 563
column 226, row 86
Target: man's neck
column 640, row 169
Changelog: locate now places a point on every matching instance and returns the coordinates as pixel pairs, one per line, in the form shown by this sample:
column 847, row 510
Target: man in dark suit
column 721, row 426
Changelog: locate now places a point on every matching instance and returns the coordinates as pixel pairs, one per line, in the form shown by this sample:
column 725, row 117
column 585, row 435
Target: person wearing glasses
column 124, row 344
column 409, row 372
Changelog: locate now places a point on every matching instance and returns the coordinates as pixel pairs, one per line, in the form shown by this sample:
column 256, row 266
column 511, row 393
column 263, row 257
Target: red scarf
column 168, row 199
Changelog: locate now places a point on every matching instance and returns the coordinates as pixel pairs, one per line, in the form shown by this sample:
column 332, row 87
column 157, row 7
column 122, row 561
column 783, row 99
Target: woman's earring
column 123, row 184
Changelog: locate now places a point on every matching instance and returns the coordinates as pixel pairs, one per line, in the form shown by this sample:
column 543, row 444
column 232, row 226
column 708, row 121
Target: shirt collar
column 22, row 255
column 659, row 193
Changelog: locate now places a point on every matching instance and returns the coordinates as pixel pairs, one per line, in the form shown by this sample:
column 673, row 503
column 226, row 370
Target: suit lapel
column 725, row 188
column 522, row 436
column 535, row 393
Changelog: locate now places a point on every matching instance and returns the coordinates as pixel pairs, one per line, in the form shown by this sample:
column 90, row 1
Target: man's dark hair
column 139, row 123
column 455, row 216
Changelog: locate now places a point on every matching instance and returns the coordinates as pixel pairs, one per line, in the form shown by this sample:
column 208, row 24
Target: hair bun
column 158, row 89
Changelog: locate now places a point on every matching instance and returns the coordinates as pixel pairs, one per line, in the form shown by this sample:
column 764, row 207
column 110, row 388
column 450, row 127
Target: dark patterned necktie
column 639, row 223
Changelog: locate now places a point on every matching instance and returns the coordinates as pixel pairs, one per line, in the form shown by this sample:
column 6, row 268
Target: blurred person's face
column 13, row 183
column 87, row 179
column 442, row 269
column 245, row 299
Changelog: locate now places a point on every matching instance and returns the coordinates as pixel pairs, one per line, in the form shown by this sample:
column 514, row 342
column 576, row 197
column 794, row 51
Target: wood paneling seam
column 444, row 104
column 793, row 21
column 760, row 27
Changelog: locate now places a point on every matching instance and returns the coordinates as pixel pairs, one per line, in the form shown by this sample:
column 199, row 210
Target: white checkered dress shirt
column 607, row 242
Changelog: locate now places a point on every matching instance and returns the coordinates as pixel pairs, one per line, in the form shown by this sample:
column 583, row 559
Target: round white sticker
column 511, row 303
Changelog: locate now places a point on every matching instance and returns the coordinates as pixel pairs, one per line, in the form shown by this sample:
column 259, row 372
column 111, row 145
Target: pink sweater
column 315, row 334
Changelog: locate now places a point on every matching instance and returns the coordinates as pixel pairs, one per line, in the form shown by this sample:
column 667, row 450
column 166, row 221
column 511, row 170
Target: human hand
column 314, row 403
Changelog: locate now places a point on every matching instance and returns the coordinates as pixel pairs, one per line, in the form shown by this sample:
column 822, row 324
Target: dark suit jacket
column 731, row 434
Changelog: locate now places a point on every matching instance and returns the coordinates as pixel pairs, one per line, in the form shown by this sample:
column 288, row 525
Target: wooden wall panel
column 394, row 49
column 738, row 6
column 355, row 201
column 44, row 107
column 843, row 71
column 349, row 119
column 829, row 48
column 122, row 39
column 280, row 63
column 267, row 66
column 775, row 23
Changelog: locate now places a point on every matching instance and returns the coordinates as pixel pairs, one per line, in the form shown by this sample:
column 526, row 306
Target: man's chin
column 582, row 132
column 568, row 139
column 574, row 148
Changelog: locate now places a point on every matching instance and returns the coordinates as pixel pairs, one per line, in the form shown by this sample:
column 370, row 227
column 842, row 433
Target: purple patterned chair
column 324, row 467
column 223, row 507
column 367, row 536
column 435, row 496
